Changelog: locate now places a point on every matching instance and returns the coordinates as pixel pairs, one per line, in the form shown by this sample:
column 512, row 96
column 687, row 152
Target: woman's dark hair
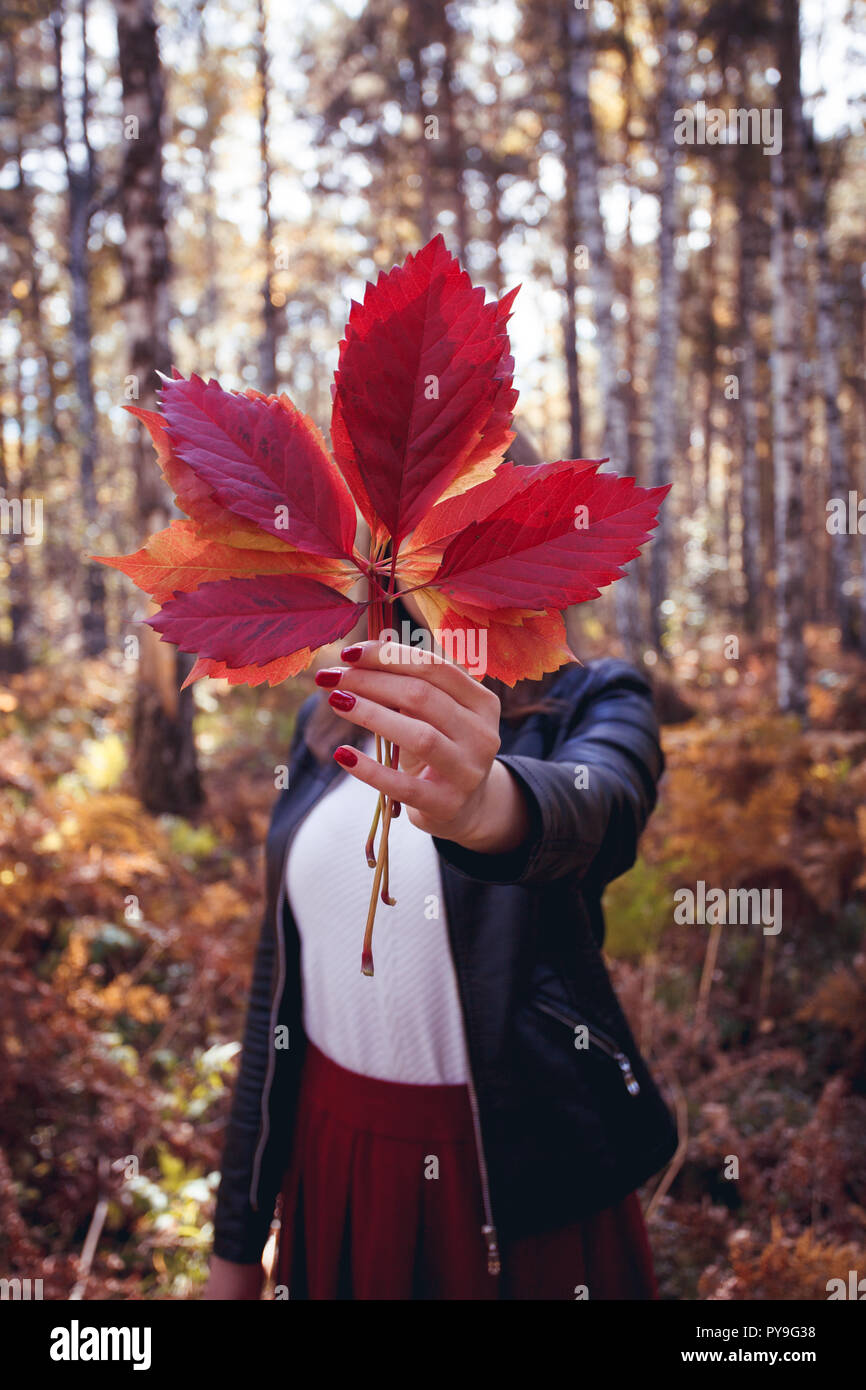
column 326, row 728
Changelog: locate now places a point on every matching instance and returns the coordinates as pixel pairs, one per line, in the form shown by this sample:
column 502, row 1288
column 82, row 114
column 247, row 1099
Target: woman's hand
column 236, row 1282
column 447, row 727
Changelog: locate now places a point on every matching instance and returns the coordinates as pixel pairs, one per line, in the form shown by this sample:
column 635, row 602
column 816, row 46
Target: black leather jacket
column 567, row 1122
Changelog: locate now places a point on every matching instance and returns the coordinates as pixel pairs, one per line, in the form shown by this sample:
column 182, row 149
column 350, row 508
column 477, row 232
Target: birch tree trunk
column 15, row 655
column 827, row 343
column 81, row 187
column 569, row 319
column 163, row 753
column 454, row 138
column 753, row 567
column 787, row 427
column 860, row 338
column 268, row 344
column 718, row 481
column 210, row 295
column 664, row 419
column 583, row 151
column 416, row 41
column 630, row 255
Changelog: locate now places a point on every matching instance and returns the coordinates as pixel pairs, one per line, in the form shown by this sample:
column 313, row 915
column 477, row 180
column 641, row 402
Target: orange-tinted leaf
column 273, row 671
column 176, row 560
column 515, row 644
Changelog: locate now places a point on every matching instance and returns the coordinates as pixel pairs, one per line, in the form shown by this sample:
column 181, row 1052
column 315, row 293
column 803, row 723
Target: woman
column 473, row 1120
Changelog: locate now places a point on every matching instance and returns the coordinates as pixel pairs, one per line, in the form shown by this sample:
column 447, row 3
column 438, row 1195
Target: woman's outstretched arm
column 498, row 817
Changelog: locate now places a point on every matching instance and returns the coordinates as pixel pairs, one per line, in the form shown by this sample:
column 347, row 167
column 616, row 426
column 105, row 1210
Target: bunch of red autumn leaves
column 258, row 578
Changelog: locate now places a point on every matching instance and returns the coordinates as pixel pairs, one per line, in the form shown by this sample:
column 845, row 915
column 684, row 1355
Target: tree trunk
column 15, row 654
column 417, row 40
column 210, row 309
column 718, row 478
column 750, row 500
column 827, row 344
column 664, row 427
column 454, row 139
column 268, row 344
column 569, row 318
column 80, row 192
column 582, row 150
column 787, row 426
column 857, row 277
column 629, row 256
column 163, row 755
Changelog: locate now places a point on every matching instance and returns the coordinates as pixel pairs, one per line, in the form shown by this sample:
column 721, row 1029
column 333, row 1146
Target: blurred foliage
column 638, row 908
column 125, row 949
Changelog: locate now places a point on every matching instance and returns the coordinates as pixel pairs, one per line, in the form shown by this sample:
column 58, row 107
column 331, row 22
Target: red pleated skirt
column 382, row 1200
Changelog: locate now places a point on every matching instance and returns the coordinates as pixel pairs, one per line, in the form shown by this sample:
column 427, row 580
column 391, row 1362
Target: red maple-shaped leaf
column 253, row 621
column 555, row 543
column 422, row 391
column 262, row 460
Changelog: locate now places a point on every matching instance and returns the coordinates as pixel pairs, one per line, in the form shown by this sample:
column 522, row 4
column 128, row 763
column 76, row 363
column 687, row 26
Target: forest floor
column 126, row 942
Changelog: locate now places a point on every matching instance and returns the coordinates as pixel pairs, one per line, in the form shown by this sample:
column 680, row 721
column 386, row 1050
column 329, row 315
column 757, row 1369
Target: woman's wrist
column 502, row 821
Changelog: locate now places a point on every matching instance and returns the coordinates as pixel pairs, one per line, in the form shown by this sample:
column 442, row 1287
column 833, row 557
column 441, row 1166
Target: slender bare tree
column 570, row 116
column 827, row 340
column 81, row 186
column 454, row 134
column 268, row 344
column 752, row 238
column 582, row 150
column 664, row 417
column 787, row 425
column 163, row 755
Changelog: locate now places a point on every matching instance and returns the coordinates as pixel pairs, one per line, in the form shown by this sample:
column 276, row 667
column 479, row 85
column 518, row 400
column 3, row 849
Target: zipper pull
column 632, row 1084
column 490, row 1240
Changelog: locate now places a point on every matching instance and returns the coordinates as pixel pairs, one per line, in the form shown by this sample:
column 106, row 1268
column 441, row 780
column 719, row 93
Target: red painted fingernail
column 396, row 809
column 346, row 757
column 328, row 678
column 341, row 699
column 351, row 653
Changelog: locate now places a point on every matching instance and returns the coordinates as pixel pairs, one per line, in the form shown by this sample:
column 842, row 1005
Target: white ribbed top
column 405, row 1022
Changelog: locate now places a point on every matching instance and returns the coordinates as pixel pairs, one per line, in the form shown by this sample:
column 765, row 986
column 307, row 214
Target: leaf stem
column 367, row 950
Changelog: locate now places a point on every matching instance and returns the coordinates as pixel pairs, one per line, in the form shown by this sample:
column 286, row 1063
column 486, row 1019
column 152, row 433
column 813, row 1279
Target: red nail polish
column 346, row 757
column 329, row 678
column 351, row 653
column 396, row 809
column 341, row 699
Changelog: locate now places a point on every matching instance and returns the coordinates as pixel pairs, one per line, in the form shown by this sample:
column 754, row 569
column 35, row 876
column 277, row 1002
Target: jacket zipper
column 599, row 1040
column 272, row 1052
column 488, row 1230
